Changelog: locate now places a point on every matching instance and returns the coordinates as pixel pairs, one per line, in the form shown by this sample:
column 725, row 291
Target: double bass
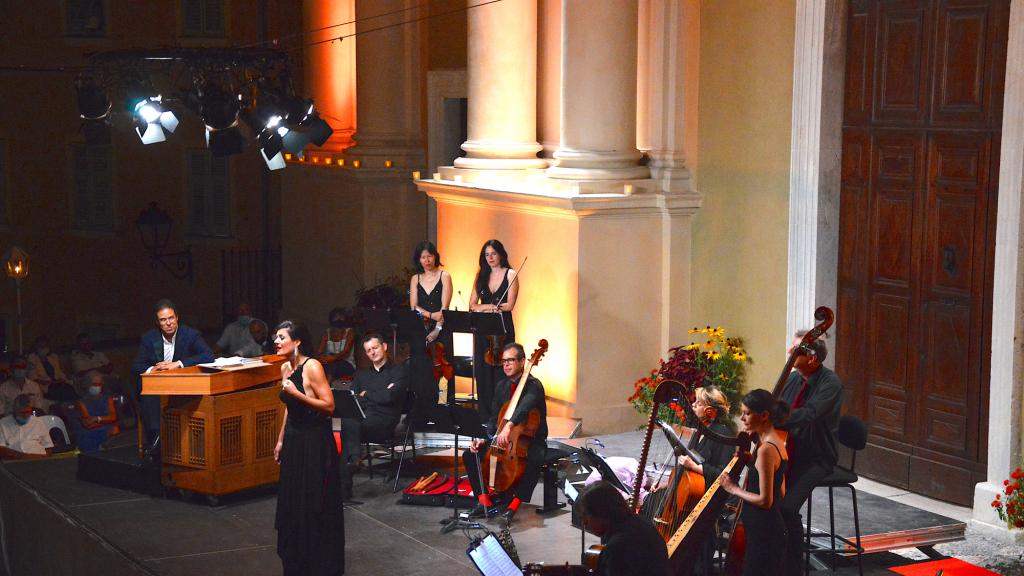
column 507, row 464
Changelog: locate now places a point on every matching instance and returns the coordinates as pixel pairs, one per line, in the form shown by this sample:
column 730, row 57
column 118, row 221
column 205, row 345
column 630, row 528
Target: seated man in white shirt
column 19, row 384
column 23, row 435
column 84, row 360
column 236, row 339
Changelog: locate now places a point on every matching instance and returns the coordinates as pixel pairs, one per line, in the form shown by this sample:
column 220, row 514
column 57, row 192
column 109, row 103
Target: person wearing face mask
column 337, row 346
column 44, row 368
column 20, row 383
column 97, row 416
column 22, row 435
column 236, row 338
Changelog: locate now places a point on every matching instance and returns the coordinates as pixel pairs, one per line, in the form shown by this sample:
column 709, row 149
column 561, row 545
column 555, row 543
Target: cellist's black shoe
column 508, row 515
column 481, row 511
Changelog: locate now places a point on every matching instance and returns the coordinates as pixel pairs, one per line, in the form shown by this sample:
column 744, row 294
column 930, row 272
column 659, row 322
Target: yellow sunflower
column 692, row 346
column 718, row 332
column 712, row 355
column 740, row 355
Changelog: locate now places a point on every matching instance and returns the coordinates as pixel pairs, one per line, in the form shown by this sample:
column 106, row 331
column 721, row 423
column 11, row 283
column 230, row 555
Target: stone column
column 388, row 85
column 599, row 87
column 502, row 73
column 329, row 69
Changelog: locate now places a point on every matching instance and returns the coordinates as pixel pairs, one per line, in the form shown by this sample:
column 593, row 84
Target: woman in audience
column 337, row 346
column 97, row 416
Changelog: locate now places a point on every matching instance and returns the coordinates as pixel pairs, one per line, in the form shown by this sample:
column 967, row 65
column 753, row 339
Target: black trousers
column 524, row 490
column 149, row 405
column 800, row 482
column 375, row 428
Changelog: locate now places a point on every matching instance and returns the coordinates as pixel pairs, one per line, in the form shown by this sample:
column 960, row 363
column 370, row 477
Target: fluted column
column 599, row 78
column 387, row 82
column 329, row 70
column 502, row 74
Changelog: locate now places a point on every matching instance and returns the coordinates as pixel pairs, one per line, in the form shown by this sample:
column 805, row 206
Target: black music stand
column 477, row 324
column 346, row 405
column 458, row 420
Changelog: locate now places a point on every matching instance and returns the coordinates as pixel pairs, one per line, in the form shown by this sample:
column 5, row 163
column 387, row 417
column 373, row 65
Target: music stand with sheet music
column 477, row 324
column 459, row 421
column 491, row 558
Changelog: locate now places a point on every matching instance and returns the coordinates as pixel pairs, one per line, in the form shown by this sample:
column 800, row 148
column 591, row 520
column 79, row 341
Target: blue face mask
column 20, row 374
column 245, row 321
column 21, row 419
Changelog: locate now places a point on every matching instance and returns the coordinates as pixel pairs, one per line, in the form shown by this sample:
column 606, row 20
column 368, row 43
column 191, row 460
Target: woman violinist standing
column 762, row 520
column 495, row 289
column 426, row 261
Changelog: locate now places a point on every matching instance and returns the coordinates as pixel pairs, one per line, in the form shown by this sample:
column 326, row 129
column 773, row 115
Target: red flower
column 1006, row 482
column 1009, row 490
column 1015, row 474
column 995, row 503
column 1019, row 523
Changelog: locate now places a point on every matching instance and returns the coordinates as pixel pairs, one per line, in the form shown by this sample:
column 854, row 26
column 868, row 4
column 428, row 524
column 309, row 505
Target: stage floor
column 172, row 537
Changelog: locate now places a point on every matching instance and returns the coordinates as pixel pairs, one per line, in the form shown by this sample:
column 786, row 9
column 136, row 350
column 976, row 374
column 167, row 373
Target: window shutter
column 102, row 189
column 197, row 185
column 192, row 17
column 85, row 17
column 219, row 210
column 3, row 181
column 213, row 16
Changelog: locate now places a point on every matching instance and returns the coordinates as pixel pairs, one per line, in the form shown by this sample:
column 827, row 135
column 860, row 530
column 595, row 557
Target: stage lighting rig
column 152, row 120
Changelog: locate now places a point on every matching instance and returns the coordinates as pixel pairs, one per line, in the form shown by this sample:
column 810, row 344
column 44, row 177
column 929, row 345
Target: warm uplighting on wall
column 316, row 159
column 356, row 163
column 341, row 162
column 415, row 174
column 627, row 189
column 328, row 160
column 288, row 156
column 387, row 163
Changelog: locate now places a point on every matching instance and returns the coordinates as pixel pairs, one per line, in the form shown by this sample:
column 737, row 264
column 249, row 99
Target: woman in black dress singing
column 495, row 289
column 428, row 304
column 762, row 520
column 309, row 520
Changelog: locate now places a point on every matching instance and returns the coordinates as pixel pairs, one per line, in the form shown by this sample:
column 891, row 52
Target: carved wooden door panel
column 922, row 115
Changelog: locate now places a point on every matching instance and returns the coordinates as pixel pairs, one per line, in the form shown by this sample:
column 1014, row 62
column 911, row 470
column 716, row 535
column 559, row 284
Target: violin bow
column 514, row 280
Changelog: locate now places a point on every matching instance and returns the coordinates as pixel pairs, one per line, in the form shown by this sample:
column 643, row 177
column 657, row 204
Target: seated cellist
column 513, row 361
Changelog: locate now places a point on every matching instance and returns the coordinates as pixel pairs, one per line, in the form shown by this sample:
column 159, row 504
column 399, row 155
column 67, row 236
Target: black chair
column 854, row 435
column 402, row 436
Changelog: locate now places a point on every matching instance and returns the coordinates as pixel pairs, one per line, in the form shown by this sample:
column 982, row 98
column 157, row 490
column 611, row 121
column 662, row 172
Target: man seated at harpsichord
column 513, row 361
column 22, row 434
column 631, row 544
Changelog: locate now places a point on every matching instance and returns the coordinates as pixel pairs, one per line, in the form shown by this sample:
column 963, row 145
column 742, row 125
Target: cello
column 507, row 464
column 737, row 540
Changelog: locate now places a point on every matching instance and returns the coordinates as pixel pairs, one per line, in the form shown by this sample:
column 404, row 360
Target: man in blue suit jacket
column 172, row 346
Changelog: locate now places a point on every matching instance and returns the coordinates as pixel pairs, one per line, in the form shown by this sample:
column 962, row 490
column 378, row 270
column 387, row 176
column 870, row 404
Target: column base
column 595, row 165
column 987, row 520
column 499, row 155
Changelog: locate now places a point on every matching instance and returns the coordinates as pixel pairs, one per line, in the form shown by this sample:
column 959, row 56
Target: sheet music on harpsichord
column 234, row 363
column 491, row 559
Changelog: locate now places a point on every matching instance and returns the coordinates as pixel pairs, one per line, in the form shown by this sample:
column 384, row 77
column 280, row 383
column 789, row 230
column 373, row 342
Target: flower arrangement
column 1011, row 508
column 718, row 361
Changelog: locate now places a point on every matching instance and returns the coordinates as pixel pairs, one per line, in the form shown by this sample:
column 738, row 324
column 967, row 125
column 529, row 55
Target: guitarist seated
column 631, row 544
column 513, row 361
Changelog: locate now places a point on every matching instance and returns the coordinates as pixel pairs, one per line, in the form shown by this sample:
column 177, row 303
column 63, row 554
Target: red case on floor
column 439, row 493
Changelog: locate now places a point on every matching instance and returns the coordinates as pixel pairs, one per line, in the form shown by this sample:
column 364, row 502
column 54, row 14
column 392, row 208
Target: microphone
column 676, row 442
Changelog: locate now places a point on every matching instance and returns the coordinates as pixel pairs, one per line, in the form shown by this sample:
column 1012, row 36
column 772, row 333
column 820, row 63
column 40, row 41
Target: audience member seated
column 261, row 345
column 84, row 360
column 20, row 384
column 22, row 434
column 236, row 338
column 44, row 368
column 337, row 346
column 97, row 416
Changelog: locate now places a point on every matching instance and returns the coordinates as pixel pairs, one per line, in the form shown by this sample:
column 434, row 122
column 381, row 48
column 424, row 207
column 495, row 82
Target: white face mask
column 95, row 390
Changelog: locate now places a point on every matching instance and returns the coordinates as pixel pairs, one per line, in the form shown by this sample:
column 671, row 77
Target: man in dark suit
column 172, row 346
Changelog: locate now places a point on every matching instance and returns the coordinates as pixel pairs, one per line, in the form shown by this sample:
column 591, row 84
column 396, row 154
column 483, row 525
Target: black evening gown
column 310, row 519
column 486, row 375
column 766, row 532
column 421, row 370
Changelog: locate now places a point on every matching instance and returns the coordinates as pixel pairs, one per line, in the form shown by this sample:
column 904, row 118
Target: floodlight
column 93, row 103
column 225, row 142
column 219, row 109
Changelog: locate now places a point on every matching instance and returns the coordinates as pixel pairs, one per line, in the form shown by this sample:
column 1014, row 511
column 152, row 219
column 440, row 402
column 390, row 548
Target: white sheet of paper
column 492, row 560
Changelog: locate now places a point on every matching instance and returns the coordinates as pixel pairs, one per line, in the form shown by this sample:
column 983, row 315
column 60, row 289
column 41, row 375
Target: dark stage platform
column 56, row 524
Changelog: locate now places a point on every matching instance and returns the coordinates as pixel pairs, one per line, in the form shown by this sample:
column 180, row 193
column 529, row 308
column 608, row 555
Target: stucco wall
column 740, row 233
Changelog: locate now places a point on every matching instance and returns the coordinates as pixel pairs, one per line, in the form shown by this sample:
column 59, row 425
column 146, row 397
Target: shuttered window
column 208, row 195
column 85, row 18
column 202, row 18
column 92, row 197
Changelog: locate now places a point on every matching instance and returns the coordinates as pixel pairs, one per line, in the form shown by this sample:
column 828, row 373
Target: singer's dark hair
column 483, row 274
column 300, row 332
column 427, row 246
column 603, row 500
column 760, row 401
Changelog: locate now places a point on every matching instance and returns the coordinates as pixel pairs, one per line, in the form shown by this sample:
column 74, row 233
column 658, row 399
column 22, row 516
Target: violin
column 494, row 345
column 507, row 464
column 439, row 362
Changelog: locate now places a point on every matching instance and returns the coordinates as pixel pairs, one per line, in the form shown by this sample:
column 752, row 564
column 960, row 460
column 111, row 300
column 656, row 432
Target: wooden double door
column 921, row 130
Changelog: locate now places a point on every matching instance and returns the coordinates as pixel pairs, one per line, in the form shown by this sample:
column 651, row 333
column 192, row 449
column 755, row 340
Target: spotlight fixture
column 225, row 142
column 219, row 109
column 152, row 120
column 271, row 143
